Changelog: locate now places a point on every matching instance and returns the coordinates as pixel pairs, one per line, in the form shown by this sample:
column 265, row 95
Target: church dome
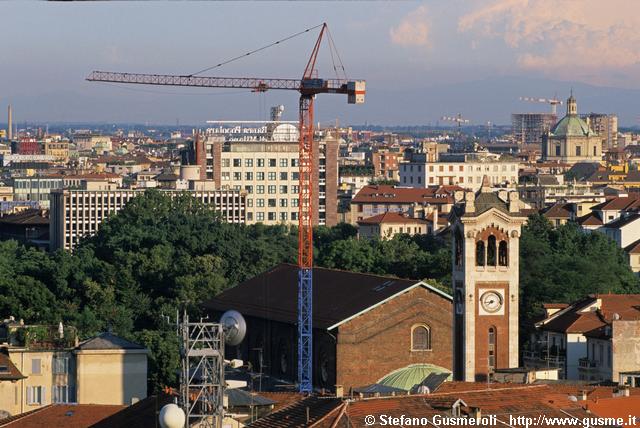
column 571, row 126
column 407, row 377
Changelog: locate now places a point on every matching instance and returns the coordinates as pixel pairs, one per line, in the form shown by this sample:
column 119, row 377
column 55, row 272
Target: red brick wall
column 483, row 323
column 379, row 341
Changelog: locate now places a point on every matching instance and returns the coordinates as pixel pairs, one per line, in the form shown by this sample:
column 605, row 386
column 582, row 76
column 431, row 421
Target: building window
column 492, row 349
column 557, row 149
column 226, row 163
column 248, row 176
column 35, row 395
column 237, row 176
column 249, row 189
column 420, row 338
column 272, row 163
column 272, row 176
column 271, row 216
column 503, row 257
column 60, row 365
column 36, row 366
column 283, row 202
column 260, row 162
column 248, row 162
column 61, row 394
column 283, row 163
column 259, row 202
column 259, row 216
column 260, row 176
column 480, row 253
column 578, row 151
column 237, row 163
column 271, row 189
column 283, row 216
column 283, row 189
column 283, row 176
column 271, row 203
column 491, row 251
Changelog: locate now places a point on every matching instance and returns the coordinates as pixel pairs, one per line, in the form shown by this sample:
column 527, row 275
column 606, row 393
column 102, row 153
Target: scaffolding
column 202, row 373
column 528, row 128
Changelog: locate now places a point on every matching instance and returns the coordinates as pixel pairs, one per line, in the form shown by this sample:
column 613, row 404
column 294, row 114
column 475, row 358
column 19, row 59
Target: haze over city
column 421, row 60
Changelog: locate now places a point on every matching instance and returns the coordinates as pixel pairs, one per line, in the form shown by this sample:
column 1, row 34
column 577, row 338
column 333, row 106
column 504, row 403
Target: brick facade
column 379, row 341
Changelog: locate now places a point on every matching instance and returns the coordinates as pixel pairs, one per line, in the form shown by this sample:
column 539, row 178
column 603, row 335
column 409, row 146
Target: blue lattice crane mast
column 308, row 87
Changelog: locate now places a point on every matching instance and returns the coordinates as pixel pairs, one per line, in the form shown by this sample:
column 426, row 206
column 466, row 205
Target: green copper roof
column 571, row 126
column 407, row 377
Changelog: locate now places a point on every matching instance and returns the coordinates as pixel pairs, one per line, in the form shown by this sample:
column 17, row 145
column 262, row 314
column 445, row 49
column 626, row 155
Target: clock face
column 491, row 301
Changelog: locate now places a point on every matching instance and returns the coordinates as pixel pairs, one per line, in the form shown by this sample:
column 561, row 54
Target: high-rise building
column 78, row 213
column 486, row 232
column 606, row 126
column 267, row 169
column 528, row 128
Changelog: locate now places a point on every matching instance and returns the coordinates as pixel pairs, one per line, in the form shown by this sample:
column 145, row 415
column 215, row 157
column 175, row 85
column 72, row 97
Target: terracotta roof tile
column 61, row 416
column 391, row 217
column 406, row 195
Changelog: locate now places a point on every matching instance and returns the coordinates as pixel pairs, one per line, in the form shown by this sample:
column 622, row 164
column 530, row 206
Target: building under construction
column 528, row 128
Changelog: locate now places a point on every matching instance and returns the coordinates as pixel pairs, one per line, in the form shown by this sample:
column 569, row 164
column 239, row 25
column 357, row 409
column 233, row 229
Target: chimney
column 9, row 123
column 339, row 391
column 201, row 158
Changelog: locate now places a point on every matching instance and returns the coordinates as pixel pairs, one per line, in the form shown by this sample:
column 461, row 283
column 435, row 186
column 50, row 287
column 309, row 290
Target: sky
column 421, row 60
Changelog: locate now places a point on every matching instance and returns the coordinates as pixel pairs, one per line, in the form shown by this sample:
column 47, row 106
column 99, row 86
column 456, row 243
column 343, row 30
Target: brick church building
column 365, row 326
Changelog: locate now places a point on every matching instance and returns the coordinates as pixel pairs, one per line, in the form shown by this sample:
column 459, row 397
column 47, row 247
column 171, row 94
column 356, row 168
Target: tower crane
column 308, row 87
column 457, row 119
column 554, row 102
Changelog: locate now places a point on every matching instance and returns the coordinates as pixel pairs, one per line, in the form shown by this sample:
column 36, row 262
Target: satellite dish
column 172, row 416
column 234, row 326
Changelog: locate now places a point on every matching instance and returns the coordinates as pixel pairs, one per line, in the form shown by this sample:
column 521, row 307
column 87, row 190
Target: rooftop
column 337, row 296
column 391, row 217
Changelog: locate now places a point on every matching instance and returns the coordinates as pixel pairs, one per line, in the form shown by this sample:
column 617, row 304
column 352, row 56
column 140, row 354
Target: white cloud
column 413, row 30
column 567, row 37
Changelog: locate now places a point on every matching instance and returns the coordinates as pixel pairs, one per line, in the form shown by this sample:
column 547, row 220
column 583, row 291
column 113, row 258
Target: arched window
column 458, row 248
column 491, row 251
column 492, row 348
column 503, row 254
column 420, row 338
column 480, row 253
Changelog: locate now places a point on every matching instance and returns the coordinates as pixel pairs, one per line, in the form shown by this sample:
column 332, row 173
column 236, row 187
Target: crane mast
column 308, row 87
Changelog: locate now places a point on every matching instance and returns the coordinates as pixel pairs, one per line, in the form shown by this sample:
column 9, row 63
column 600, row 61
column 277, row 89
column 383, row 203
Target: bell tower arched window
column 458, row 247
column 491, row 251
column 503, row 254
column 480, row 253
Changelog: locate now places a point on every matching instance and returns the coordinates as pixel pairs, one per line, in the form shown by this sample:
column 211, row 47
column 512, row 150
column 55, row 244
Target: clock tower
column 486, row 231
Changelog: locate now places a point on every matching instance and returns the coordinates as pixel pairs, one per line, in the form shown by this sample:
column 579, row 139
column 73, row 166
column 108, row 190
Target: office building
column 78, row 213
column 266, row 168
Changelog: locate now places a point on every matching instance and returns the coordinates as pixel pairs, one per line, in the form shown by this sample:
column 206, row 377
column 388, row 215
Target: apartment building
column 43, row 364
column 78, row 213
column 268, row 171
column 606, row 126
column 58, row 149
column 464, row 170
column 385, row 163
column 373, row 200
